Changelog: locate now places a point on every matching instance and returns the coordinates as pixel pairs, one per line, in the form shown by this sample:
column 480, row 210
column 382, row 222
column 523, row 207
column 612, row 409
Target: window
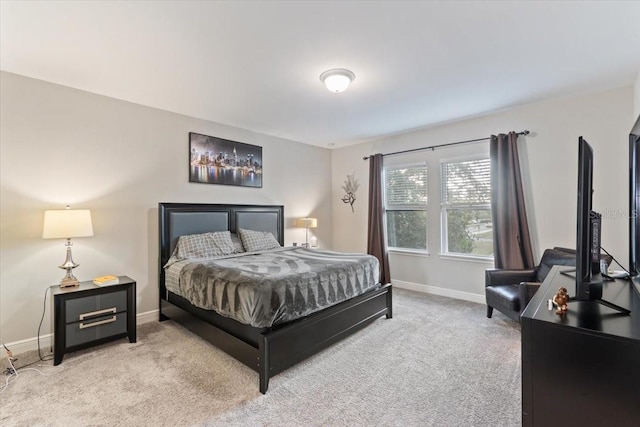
column 466, row 207
column 406, row 207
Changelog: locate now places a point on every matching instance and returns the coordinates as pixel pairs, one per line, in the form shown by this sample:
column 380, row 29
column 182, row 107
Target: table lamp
column 67, row 224
column 307, row 223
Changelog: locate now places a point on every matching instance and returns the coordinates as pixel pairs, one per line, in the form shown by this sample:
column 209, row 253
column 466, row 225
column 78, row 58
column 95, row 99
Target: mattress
column 267, row 288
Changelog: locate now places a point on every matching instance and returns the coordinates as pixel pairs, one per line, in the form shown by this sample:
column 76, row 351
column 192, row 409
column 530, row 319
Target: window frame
column 446, row 207
column 400, row 249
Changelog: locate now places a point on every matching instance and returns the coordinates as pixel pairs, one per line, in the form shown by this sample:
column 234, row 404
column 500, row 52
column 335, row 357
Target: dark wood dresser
column 582, row 368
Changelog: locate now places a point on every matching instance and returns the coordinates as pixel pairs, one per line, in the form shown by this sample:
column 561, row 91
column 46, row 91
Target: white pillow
column 257, row 240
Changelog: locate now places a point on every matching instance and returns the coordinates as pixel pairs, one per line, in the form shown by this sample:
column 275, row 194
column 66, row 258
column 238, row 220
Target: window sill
column 410, row 252
column 469, row 258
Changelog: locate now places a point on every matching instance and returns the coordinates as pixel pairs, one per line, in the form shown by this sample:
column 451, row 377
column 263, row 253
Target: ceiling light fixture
column 337, row 80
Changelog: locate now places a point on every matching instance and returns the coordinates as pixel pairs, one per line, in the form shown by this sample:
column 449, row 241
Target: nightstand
column 88, row 315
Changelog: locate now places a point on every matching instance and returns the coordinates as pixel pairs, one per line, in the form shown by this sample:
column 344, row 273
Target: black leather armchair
column 510, row 291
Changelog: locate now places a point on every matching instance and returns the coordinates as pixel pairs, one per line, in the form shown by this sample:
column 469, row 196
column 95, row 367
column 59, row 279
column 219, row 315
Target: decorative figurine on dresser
column 560, row 300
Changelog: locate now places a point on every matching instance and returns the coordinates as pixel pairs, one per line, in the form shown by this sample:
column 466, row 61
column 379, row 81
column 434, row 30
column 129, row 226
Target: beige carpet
column 438, row 362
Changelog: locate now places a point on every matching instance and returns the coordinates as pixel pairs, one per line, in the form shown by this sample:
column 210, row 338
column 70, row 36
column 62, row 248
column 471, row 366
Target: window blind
column 465, row 183
column 406, row 188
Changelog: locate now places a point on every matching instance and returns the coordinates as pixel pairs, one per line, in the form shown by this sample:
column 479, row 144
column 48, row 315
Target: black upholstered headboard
column 178, row 219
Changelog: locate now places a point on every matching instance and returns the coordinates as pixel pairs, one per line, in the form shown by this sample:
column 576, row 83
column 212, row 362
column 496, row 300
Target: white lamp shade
column 337, row 80
column 307, row 222
column 67, row 223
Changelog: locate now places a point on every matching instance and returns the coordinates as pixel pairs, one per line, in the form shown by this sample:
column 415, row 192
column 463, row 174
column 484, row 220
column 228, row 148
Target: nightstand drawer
column 95, row 328
column 84, row 308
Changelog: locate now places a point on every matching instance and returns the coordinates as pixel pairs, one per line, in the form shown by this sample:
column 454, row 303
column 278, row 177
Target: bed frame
column 268, row 351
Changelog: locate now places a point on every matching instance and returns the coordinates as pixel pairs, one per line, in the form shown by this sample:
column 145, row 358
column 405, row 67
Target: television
column 588, row 278
column 634, row 200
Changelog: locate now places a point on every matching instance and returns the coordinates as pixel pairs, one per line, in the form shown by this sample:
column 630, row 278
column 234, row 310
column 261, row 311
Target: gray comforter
column 271, row 287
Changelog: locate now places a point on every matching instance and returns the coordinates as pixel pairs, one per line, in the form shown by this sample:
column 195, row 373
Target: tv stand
column 571, row 273
column 611, row 305
column 582, row 367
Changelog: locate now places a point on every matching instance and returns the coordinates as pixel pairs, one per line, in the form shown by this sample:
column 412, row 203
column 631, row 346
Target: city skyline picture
column 214, row 160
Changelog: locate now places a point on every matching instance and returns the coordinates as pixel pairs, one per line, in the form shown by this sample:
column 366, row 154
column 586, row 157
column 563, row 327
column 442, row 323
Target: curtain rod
column 433, row 147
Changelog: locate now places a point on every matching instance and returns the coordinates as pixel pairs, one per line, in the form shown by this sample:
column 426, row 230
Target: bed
column 266, row 349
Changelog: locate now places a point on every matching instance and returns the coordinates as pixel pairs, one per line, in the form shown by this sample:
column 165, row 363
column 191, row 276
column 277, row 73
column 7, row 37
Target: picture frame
column 214, row 160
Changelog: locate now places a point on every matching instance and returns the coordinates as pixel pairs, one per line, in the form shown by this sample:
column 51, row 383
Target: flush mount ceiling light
column 337, row 80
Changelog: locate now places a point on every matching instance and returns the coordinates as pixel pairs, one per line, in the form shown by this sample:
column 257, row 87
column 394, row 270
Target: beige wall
column 63, row 146
column 549, row 163
column 636, row 97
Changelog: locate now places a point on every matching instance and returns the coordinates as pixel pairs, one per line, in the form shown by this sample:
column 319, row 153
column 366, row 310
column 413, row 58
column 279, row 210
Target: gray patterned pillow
column 205, row 245
column 222, row 243
column 257, row 240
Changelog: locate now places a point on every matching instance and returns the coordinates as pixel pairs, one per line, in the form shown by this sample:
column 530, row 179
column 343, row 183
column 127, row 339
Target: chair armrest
column 493, row 277
column 526, row 290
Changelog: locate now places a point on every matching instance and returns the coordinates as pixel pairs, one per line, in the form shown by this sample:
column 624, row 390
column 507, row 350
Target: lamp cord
column 44, row 309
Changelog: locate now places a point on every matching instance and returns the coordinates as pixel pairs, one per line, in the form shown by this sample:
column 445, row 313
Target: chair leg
column 489, row 311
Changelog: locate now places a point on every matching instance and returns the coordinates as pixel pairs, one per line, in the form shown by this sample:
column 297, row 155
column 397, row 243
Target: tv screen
column 588, row 283
column 634, row 200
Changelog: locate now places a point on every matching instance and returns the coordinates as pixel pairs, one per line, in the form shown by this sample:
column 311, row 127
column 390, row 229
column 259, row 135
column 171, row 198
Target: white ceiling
column 256, row 65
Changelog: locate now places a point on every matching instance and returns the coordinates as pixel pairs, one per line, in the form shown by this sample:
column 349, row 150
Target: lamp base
column 69, row 282
column 69, row 279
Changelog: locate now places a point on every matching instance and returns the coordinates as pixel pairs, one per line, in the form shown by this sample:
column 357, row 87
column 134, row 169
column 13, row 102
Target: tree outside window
column 466, row 207
column 406, row 207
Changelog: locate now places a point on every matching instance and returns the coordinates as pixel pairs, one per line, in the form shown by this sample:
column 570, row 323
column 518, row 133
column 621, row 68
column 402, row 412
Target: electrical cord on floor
column 11, row 369
column 12, row 372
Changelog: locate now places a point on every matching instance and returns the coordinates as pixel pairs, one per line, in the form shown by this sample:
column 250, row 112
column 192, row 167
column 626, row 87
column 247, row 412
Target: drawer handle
column 97, row 313
column 101, row 322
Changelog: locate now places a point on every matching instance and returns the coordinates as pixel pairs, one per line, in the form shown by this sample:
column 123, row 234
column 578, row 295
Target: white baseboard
column 146, row 317
column 46, row 341
column 445, row 292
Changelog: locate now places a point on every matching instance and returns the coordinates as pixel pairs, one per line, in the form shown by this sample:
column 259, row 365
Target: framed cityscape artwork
column 220, row 161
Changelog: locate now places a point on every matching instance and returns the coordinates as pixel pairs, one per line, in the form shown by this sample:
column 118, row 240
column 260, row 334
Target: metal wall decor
column 350, row 187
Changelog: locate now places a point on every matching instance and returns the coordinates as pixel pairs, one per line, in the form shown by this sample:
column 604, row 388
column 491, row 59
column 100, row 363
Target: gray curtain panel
column 376, row 243
column 511, row 239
